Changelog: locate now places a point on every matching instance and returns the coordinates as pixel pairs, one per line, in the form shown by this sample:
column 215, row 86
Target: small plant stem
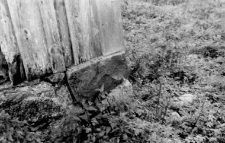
column 197, row 120
column 158, row 102
column 166, row 109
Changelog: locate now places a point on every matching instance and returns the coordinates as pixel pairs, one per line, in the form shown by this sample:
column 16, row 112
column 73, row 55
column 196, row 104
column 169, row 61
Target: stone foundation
column 45, row 100
column 85, row 79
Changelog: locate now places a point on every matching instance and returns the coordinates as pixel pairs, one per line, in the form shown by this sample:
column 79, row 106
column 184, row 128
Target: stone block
column 84, row 80
column 39, row 104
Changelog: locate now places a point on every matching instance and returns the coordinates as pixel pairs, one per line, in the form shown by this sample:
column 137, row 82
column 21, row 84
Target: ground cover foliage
column 174, row 47
column 177, row 47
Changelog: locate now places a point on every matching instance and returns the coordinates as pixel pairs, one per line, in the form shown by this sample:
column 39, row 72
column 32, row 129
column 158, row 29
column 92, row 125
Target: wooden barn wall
column 41, row 37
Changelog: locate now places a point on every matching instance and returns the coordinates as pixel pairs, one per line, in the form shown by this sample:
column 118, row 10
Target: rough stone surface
column 85, row 79
column 187, row 98
column 122, row 91
column 39, row 104
column 184, row 100
column 175, row 117
column 57, row 78
column 43, row 102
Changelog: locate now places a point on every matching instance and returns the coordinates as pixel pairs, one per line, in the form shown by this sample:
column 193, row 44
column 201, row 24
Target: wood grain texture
column 72, row 13
column 84, row 29
column 9, row 46
column 48, row 36
column 88, row 30
column 96, row 45
column 109, row 13
column 64, row 32
column 83, row 26
column 52, row 37
column 3, row 69
column 26, row 19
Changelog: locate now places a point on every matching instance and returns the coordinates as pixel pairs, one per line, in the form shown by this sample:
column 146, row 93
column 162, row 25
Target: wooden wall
column 39, row 37
column 133, row 1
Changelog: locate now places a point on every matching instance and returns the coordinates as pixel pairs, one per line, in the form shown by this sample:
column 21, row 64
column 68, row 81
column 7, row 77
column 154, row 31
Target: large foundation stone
column 39, row 104
column 84, row 80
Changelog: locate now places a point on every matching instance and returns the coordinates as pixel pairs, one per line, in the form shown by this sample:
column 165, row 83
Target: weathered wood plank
column 3, row 69
column 9, row 47
column 109, row 12
column 83, row 26
column 72, row 13
column 52, row 36
column 29, row 32
column 84, row 29
column 64, row 32
column 96, row 45
column 88, row 30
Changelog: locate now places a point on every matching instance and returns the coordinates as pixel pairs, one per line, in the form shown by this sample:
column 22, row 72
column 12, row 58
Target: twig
column 158, row 102
column 197, row 120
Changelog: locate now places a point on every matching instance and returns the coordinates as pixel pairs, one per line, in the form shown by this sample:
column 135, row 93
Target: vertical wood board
column 29, row 32
column 84, row 29
column 109, row 12
column 72, row 13
column 52, row 36
column 9, row 46
column 83, row 26
column 88, row 30
column 7, row 38
column 95, row 35
column 64, row 32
